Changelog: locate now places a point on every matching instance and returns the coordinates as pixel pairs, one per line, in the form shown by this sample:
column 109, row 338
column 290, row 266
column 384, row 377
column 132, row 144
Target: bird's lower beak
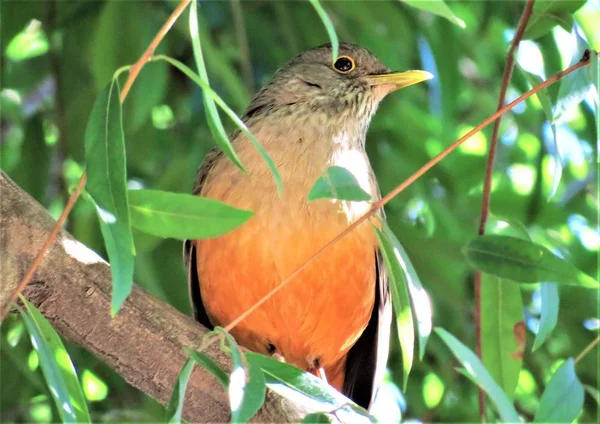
column 386, row 83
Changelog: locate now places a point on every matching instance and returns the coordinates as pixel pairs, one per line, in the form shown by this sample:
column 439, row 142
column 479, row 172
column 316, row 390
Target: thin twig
column 380, row 203
column 587, row 349
column 487, row 182
column 133, row 73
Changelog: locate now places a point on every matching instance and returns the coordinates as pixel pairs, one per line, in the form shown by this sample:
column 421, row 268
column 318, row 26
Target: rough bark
column 143, row 343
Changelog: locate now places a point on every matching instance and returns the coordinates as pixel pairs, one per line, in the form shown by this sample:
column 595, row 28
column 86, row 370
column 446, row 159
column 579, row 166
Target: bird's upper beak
column 386, row 83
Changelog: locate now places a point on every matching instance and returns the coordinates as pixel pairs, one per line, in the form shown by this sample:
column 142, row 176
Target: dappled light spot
column 236, row 388
column 587, row 235
column 33, row 360
column 389, row 403
column 94, row 389
column 522, row 178
column 475, row 145
column 162, row 117
column 433, row 390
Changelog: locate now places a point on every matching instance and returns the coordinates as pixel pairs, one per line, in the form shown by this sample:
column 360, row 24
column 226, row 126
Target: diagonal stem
column 487, row 182
column 379, row 204
column 133, row 73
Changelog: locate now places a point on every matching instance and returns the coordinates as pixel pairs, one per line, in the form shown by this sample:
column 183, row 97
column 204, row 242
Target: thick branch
column 143, row 343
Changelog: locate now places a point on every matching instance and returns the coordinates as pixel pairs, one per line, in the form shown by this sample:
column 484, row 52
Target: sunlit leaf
column 29, row 43
column 503, row 331
column 437, row 7
column 183, row 216
column 305, row 388
column 175, row 407
column 247, row 385
column 338, row 183
column 563, row 397
column 211, row 366
column 236, row 120
column 400, row 301
column 107, row 186
column 575, row 86
column 94, row 389
column 547, row 14
column 421, row 305
column 477, row 372
column 333, row 38
column 212, row 115
column 56, row 366
column 549, row 315
column 522, row 261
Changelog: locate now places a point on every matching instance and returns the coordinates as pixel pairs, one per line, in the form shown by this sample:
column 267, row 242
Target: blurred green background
column 56, row 55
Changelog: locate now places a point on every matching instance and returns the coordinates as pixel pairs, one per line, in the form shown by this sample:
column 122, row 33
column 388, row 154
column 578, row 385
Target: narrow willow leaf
column 563, row 397
column 544, row 97
column 546, row 14
column 502, row 331
column 400, row 301
column 212, row 115
column 549, row 316
column 236, row 120
column 522, row 261
column 56, row 366
column 107, row 186
column 209, row 365
column 338, row 183
column 477, row 372
column 329, row 27
column 437, row 7
column 27, row 44
column 247, row 384
column 421, row 305
column 575, row 86
column 593, row 392
column 317, row 418
column 183, row 216
column 175, row 406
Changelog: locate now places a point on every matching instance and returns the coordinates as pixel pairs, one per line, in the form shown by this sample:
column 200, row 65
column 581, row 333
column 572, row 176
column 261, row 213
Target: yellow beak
column 399, row 79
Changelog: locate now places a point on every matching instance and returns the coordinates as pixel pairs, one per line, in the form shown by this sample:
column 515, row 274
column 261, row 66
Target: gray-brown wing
column 189, row 250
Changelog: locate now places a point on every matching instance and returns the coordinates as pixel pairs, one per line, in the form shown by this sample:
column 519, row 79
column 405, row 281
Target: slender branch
column 487, row 182
column 133, row 73
column 587, row 349
column 380, row 203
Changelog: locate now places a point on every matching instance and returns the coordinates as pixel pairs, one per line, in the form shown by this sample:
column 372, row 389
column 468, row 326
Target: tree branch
column 487, row 182
column 143, row 343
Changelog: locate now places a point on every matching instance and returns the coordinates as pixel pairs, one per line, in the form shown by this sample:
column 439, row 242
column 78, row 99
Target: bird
column 334, row 318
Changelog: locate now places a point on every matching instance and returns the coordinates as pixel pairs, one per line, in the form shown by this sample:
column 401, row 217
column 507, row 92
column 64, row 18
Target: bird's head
column 352, row 86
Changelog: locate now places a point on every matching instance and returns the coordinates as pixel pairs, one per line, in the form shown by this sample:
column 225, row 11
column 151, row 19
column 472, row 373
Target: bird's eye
column 344, row 64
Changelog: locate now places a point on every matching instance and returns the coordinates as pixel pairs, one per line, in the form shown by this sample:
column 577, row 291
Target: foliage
column 60, row 114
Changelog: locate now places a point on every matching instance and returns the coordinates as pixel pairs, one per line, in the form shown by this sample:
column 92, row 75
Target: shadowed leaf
column 546, row 14
column 338, row 183
column 549, row 316
column 437, row 7
column 175, row 406
column 563, row 397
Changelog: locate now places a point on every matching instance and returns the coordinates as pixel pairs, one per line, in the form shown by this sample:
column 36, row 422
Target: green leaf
column 247, row 384
column 29, row 43
column 212, row 115
column 546, row 14
column 107, row 186
column 281, row 376
column 522, row 261
column 400, row 301
column 236, row 120
column 175, row 406
column 477, row 372
column 593, row 392
column 183, row 216
column 316, row 418
column 338, row 183
column 549, row 316
column 587, row 18
column 544, row 97
column 421, row 305
column 209, row 365
column 563, row 397
column 437, row 7
column 329, row 27
column 502, row 331
column 56, row 366
column 575, row 86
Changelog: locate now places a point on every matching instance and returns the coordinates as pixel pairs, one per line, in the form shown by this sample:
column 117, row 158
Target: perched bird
column 335, row 315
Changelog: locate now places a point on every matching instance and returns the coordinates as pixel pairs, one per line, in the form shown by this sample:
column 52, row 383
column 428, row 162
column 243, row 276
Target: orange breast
column 320, row 314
